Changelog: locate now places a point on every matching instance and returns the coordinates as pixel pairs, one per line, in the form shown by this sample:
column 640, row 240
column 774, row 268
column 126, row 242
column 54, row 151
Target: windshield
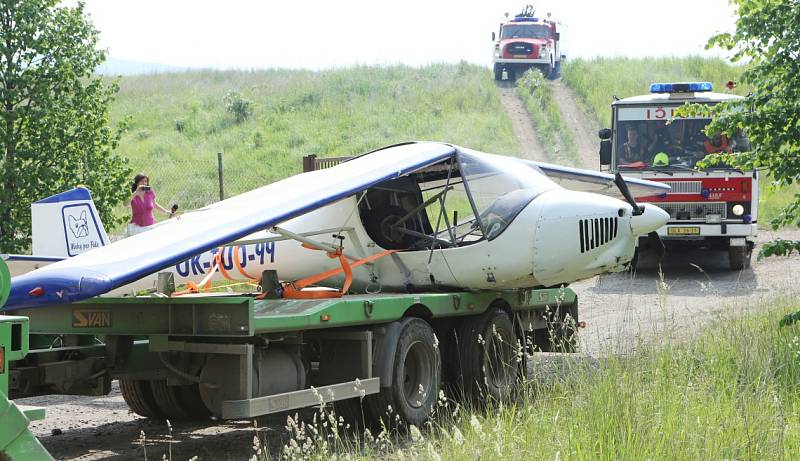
column 681, row 143
column 500, row 188
column 525, row 31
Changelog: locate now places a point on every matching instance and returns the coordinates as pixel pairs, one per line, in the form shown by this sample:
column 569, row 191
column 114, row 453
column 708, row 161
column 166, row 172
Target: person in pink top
column 142, row 203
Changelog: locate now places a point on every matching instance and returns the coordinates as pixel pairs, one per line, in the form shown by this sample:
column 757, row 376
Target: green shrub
column 237, row 105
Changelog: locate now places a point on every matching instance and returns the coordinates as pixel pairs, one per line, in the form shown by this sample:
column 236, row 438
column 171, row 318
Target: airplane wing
column 582, row 180
column 21, row 264
column 103, row 269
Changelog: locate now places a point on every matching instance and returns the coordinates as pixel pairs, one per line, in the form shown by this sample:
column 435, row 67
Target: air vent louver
column 593, row 233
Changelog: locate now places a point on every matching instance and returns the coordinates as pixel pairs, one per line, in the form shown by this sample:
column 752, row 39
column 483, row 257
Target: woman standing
column 143, row 200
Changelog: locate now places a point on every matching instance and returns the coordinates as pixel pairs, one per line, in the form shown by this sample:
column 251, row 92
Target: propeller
column 623, row 188
column 655, row 239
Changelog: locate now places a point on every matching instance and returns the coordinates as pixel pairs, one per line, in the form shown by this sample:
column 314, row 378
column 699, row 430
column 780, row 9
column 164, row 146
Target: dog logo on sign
column 79, row 226
column 83, row 234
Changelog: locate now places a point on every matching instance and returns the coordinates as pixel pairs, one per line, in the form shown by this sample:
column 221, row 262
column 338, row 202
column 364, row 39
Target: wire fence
column 206, row 179
column 195, row 183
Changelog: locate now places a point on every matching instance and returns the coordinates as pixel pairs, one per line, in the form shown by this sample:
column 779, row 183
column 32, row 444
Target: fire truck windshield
column 526, row 31
column 656, row 144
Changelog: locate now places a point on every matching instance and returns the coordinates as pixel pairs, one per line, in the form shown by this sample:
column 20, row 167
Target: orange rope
column 294, row 290
column 192, row 287
column 239, row 264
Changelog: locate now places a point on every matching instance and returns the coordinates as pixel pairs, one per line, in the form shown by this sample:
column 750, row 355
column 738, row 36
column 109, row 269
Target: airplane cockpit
column 460, row 201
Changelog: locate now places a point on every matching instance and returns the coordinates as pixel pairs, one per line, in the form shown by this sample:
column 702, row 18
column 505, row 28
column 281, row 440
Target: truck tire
column 549, row 71
column 556, row 73
column 417, row 377
column 634, row 261
column 739, row 257
column 178, row 402
column 139, row 397
column 498, row 72
column 487, row 357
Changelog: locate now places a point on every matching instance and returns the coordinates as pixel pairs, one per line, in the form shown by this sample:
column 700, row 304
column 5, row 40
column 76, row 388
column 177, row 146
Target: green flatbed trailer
column 238, row 357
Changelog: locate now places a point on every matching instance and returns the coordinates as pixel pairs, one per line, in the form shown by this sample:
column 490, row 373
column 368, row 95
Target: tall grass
column 732, row 392
column 595, row 81
column 558, row 141
column 178, row 121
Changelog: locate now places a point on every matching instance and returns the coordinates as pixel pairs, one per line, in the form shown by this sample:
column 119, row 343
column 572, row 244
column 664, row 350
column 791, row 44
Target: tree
column 54, row 130
column 768, row 36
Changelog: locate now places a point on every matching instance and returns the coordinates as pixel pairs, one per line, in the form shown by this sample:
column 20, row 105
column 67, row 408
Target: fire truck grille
column 689, row 210
column 519, row 48
column 684, row 187
column 593, row 233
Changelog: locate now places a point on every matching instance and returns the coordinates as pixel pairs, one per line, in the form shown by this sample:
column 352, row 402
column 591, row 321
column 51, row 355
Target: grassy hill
column 179, row 121
column 596, row 81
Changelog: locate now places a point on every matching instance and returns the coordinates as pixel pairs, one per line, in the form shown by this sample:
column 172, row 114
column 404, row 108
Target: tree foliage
column 767, row 40
column 54, row 128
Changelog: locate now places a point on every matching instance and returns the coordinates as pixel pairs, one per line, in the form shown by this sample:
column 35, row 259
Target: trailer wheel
column 739, row 257
column 191, row 401
column 139, row 397
column 178, row 402
column 416, row 379
column 487, row 356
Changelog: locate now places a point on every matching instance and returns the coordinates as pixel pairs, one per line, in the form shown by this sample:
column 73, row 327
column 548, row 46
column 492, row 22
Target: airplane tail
column 66, row 224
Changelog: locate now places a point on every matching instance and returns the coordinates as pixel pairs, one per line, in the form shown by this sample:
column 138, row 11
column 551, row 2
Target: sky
column 325, row 34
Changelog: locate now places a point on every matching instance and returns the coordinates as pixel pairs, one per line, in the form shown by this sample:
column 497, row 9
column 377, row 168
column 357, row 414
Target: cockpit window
column 457, row 202
column 500, row 188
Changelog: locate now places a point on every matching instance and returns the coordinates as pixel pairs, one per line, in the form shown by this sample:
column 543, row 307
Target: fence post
column 219, row 170
column 309, row 163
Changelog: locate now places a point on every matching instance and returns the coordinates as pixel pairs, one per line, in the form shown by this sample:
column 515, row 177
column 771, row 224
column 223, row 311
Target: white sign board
column 649, row 113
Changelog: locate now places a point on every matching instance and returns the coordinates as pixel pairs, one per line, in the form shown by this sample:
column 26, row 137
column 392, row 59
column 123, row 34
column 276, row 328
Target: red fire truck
column 715, row 208
column 527, row 41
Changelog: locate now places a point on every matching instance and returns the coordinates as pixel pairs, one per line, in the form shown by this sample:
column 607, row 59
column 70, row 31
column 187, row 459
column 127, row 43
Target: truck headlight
column 738, row 210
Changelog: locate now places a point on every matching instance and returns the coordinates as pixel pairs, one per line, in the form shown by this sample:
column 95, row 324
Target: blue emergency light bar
column 524, row 19
column 683, row 87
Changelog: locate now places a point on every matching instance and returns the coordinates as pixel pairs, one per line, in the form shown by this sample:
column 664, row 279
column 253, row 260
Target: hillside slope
column 178, row 121
column 596, row 81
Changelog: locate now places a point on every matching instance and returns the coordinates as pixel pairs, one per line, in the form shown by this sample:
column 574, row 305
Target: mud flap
column 16, row 441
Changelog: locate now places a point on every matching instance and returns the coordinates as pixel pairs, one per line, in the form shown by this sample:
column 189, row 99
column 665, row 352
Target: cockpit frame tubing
column 469, row 196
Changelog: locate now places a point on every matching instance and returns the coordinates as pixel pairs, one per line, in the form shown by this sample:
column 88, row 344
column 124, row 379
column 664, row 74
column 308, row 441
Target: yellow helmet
column 661, row 159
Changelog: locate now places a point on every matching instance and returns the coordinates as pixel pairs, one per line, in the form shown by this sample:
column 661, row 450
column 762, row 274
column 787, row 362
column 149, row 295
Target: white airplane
column 414, row 216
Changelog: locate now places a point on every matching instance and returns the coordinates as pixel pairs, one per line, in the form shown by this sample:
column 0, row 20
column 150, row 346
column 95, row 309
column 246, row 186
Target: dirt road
column 583, row 127
column 529, row 144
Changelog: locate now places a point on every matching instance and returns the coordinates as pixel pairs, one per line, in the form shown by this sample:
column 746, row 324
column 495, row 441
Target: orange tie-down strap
column 291, row 290
column 295, row 290
column 205, row 284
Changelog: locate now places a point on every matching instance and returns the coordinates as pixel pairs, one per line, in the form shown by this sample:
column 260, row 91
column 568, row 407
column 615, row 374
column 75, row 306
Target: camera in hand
column 147, row 188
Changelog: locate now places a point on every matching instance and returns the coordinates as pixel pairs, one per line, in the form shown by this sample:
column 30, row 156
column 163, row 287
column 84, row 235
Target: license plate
column 519, row 55
column 683, row 231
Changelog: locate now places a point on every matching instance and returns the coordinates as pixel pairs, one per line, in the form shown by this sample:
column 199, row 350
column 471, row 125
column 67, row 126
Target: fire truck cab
column 527, row 41
column 714, row 208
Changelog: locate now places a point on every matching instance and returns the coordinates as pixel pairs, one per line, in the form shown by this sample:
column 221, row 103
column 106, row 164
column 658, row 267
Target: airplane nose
column 653, row 218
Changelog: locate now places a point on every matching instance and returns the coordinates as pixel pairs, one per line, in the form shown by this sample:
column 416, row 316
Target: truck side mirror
column 493, row 36
column 558, row 36
column 605, row 152
column 605, row 146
